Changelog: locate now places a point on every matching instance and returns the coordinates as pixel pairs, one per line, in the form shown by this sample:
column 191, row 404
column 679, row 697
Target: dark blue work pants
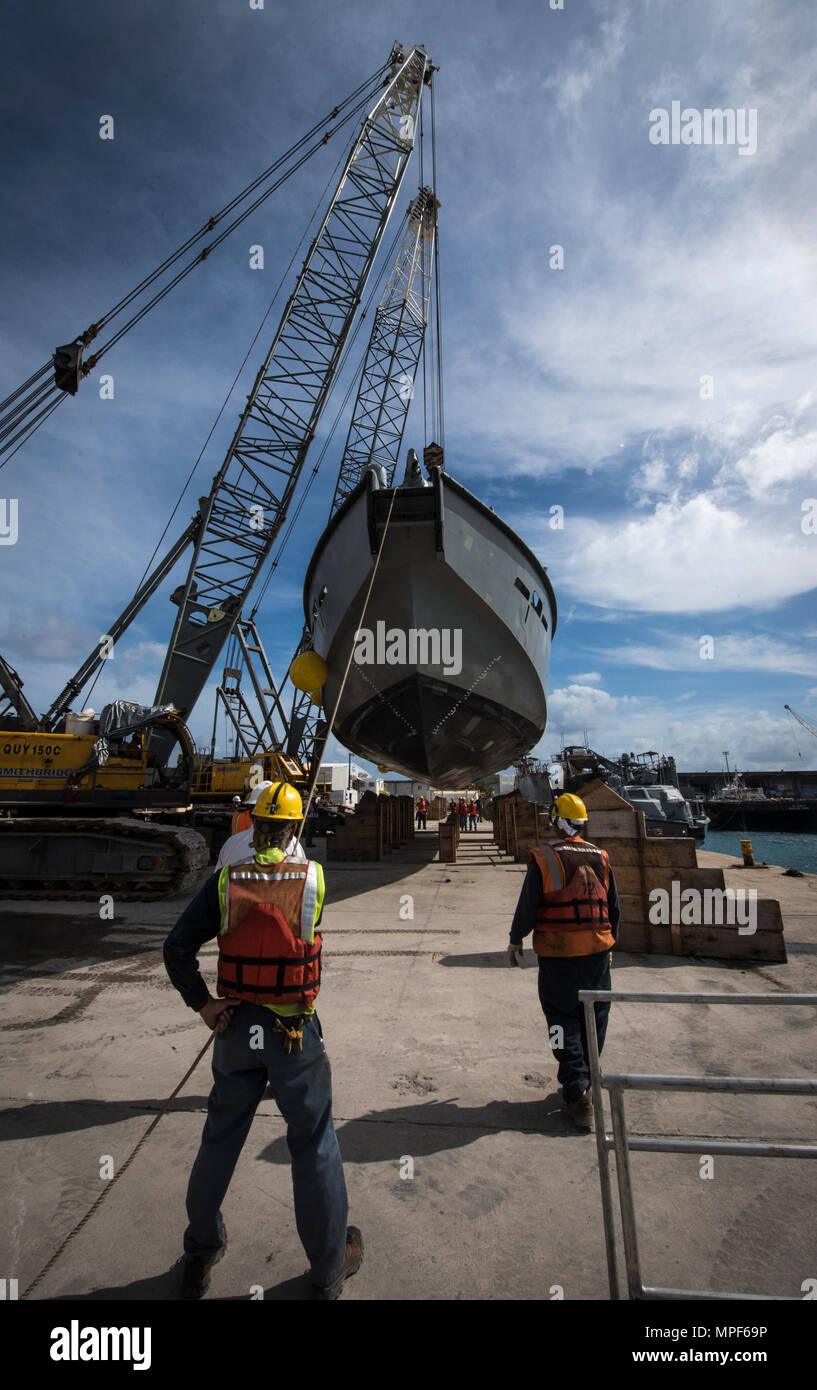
column 301, row 1083
column 560, row 979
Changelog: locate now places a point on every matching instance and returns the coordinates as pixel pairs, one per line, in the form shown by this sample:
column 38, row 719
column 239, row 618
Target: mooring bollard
column 748, row 854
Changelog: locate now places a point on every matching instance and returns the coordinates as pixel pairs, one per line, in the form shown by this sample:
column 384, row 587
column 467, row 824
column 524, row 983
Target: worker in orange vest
column 462, row 812
column 422, row 811
column 569, row 901
column 265, row 913
column 472, row 815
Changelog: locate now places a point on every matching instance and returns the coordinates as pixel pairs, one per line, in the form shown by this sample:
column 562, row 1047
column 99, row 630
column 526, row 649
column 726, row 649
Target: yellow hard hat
column 308, row 671
column 279, row 801
column 570, row 807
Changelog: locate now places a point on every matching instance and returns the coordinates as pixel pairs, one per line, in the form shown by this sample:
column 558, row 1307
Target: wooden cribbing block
column 628, row 878
column 726, row 942
column 597, row 796
column 644, row 863
column 529, row 827
column 611, row 825
column 656, row 854
column 448, row 843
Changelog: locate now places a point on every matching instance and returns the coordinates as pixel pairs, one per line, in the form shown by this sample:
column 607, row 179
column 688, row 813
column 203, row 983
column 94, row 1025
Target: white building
column 337, row 777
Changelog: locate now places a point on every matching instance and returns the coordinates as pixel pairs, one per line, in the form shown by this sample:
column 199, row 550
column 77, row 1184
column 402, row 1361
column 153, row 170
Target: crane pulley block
column 68, row 366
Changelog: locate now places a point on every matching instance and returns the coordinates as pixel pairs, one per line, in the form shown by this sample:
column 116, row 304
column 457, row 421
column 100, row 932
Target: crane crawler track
column 51, row 858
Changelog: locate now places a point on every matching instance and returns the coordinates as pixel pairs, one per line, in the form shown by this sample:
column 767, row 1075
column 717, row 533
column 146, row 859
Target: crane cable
column 319, row 203
column 48, row 395
column 437, row 301
column 52, row 395
column 433, row 411
column 330, row 725
column 385, row 263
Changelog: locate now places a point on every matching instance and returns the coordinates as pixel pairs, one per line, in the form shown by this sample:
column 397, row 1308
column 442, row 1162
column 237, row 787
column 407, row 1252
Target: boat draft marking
column 465, row 695
column 382, row 698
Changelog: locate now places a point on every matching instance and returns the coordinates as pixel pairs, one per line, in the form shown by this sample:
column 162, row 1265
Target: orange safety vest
column 574, row 920
column 472, row 808
column 421, row 804
column 261, row 956
column 242, row 820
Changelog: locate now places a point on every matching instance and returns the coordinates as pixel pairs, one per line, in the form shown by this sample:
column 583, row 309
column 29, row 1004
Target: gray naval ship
column 449, row 665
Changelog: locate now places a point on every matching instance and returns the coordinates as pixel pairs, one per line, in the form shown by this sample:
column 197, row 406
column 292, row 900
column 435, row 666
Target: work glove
column 513, row 952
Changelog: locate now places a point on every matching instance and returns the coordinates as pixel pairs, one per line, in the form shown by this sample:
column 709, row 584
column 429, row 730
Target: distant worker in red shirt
column 422, row 811
column 472, row 815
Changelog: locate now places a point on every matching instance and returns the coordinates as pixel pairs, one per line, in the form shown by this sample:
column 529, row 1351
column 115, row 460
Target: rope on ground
column 125, row 1166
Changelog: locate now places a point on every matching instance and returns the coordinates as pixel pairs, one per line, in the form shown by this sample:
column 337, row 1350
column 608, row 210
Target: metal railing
column 619, row 1082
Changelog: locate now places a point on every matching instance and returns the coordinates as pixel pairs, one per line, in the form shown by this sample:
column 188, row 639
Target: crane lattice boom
column 801, row 720
column 251, row 493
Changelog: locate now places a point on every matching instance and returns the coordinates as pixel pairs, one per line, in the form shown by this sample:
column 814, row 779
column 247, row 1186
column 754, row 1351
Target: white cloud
column 732, row 652
column 576, row 705
column 594, row 63
column 780, row 459
column 586, row 677
column 695, row 556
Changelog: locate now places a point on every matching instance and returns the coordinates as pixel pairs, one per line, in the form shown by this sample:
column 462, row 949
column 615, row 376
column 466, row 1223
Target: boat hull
column 447, row 660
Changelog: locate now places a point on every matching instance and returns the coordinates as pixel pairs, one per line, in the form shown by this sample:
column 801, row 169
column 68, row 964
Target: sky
column 640, row 404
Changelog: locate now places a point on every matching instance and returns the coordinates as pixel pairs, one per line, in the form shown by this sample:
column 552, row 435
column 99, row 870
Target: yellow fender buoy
column 308, row 672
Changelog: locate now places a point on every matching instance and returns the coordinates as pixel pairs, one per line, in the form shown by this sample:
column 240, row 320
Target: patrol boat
column 449, row 668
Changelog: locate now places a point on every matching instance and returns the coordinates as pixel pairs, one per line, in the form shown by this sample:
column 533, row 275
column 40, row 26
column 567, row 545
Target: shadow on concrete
column 26, row 940
column 164, row 1287
column 481, row 960
column 433, row 1125
column 627, row 960
column 348, row 880
column 382, row 1136
column 69, row 1116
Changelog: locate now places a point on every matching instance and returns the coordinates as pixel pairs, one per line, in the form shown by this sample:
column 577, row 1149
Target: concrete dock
column 464, row 1174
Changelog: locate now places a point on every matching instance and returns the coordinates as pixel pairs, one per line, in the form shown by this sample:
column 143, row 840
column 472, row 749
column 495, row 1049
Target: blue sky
column 577, row 388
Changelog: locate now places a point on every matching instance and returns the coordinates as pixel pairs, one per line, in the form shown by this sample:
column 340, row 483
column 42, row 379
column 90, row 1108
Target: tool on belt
column 293, row 1035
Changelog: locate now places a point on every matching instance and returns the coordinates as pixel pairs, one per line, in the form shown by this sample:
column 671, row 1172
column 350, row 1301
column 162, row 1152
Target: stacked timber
column 504, row 819
column 519, row 824
column 379, row 825
column 449, row 831
column 405, row 818
column 362, row 836
column 531, row 827
column 653, row 878
column 438, row 808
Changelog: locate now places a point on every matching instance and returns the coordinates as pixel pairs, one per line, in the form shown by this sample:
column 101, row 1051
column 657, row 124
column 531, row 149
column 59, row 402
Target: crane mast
column 248, row 501
column 381, row 408
column 389, row 372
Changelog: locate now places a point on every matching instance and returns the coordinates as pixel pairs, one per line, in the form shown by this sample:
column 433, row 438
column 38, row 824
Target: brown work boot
column 196, row 1274
column 350, row 1266
column 581, row 1111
